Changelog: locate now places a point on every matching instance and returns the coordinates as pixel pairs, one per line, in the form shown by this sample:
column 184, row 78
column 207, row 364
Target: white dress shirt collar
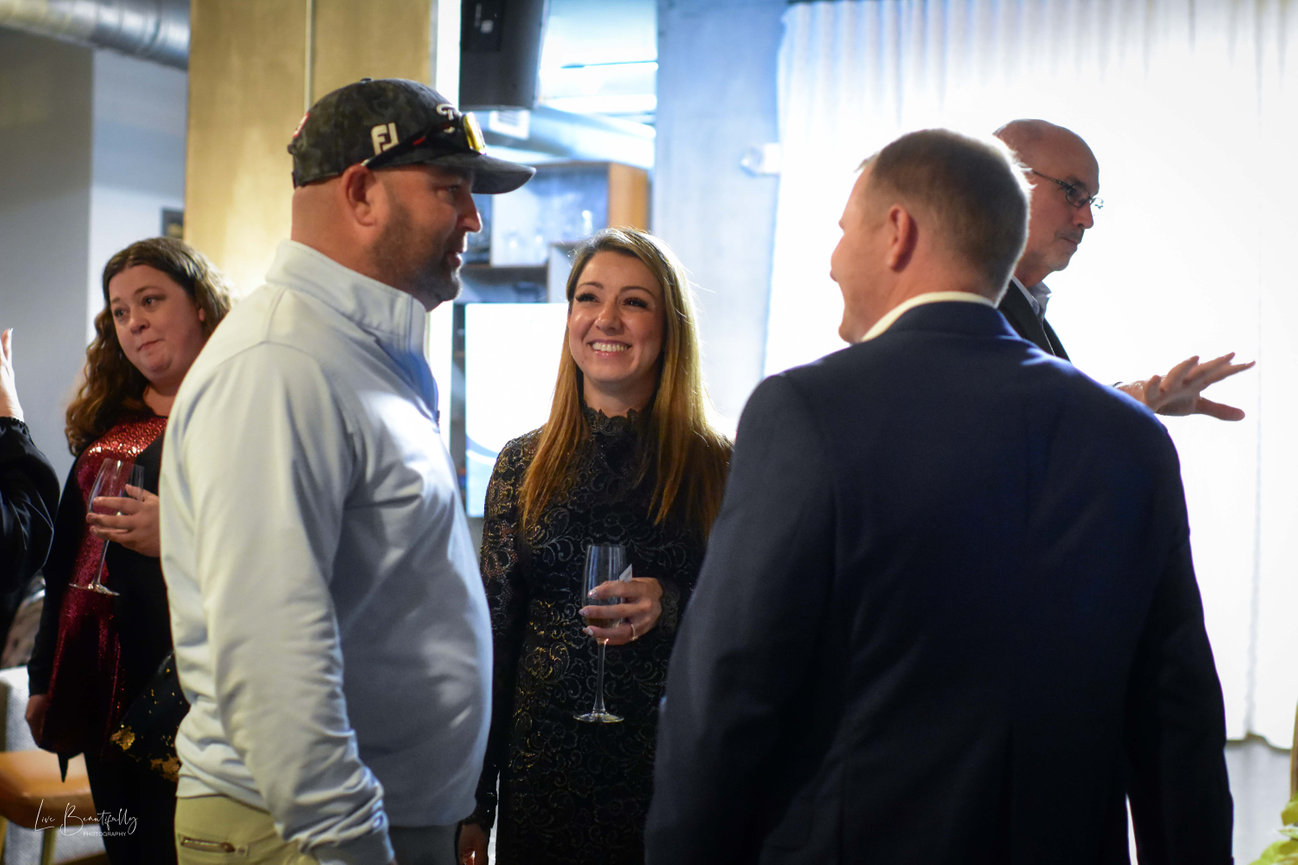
column 919, row 300
column 1038, row 296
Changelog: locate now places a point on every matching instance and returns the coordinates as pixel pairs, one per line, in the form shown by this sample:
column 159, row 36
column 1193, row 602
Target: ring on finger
column 633, row 633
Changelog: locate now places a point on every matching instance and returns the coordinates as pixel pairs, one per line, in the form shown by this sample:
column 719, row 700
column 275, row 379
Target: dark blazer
column 1018, row 312
column 947, row 615
column 29, row 494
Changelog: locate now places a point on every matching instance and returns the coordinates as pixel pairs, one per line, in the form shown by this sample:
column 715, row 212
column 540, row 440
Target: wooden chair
column 32, row 795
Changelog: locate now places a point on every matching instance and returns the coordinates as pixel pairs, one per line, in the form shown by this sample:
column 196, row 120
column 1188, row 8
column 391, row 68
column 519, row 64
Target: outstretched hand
column 134, row 523
column 1179, row 392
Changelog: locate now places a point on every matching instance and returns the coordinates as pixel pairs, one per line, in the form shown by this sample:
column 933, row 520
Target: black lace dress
column 572, row 792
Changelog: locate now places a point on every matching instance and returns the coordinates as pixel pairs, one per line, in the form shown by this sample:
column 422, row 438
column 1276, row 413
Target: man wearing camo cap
column 331, row 631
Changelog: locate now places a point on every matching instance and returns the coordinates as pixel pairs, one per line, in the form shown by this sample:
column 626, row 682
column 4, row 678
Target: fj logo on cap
column 384, row 136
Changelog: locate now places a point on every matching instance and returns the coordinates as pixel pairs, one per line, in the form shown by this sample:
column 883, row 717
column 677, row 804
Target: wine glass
column 604, row 562
column 114, row 475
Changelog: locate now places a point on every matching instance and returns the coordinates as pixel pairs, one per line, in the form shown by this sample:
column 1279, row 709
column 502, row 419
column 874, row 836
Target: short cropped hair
column 974, row 189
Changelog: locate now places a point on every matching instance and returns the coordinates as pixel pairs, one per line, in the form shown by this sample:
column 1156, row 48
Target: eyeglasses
column 444, row 138
column 1076, row 196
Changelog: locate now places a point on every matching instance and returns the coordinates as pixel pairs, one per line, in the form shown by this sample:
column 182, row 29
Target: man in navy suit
column 1065, row 180
column 948, row 612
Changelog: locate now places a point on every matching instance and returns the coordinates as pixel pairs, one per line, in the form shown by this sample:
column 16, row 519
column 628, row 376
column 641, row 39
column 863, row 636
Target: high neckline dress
column 571, row 792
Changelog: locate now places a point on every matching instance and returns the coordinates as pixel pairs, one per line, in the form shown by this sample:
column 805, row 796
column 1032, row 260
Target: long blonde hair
column 690, row 458
column 111, row 386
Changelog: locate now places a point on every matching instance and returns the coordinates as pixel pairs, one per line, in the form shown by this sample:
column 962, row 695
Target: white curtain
column 1192, row 111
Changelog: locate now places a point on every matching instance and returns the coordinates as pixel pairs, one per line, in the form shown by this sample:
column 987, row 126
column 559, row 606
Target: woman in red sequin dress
column 162, row 300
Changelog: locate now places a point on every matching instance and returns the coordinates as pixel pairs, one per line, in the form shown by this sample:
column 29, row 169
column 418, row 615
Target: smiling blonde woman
column 628, row 457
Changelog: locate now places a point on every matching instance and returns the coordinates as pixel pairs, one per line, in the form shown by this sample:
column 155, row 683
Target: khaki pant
column 217, row 829
column 211, row 830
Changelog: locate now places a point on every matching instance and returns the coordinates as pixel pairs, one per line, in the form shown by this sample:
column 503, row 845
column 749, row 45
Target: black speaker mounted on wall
column 500, row 52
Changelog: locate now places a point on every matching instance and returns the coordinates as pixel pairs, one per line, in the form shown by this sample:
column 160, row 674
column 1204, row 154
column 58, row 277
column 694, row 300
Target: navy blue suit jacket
column 947, row 615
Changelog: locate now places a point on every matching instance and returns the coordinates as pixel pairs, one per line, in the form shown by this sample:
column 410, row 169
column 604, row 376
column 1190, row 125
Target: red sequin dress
column 140, row 634
column 74, row 560
column 126, row 442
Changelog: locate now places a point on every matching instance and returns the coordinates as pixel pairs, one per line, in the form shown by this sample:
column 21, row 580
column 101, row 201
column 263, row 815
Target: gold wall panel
column 247, row 92
column 374, row 39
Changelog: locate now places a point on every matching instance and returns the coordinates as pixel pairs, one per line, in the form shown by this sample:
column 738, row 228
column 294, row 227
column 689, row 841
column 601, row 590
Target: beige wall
column 248, row 89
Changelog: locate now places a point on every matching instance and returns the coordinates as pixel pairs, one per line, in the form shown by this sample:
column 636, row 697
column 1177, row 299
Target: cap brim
column 491, row 176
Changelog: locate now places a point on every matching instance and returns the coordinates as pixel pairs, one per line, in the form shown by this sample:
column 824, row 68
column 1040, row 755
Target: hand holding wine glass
column 130, row 519
column 114, row 475
column 637, row 606
column 604, row 563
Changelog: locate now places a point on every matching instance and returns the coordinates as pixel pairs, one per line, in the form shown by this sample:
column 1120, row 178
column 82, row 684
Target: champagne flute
column 604, row 562
column 114, row 475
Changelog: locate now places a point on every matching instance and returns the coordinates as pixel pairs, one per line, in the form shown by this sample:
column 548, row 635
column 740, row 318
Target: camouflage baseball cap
column 392, row 121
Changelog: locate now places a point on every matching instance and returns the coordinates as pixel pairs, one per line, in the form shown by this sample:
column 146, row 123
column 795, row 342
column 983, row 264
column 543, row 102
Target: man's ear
column 362, row 194
column 903, row 235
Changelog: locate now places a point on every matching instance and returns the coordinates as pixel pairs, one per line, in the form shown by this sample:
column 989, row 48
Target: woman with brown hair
column 628, row 457
column 162, row 300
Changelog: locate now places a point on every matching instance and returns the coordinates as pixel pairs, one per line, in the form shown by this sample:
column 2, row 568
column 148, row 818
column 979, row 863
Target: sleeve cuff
column 12, row 423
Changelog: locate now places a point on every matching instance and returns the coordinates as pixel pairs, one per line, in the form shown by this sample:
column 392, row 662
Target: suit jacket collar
column 1018, row 312
column 968, row 319
column 910, row 303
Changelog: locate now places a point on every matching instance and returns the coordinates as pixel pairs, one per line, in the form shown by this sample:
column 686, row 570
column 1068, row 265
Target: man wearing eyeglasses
column 1065, row 179
column 330, row 626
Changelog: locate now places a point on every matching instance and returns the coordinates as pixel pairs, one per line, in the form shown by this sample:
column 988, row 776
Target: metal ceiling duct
column 156, row 30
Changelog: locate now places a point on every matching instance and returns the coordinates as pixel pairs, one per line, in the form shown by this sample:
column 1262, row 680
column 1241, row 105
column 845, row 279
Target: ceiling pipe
column 156, row 30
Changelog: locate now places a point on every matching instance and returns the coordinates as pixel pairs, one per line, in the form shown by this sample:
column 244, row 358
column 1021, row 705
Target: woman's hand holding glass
column 114, row 476
column 635, row 615
column 132, row 521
